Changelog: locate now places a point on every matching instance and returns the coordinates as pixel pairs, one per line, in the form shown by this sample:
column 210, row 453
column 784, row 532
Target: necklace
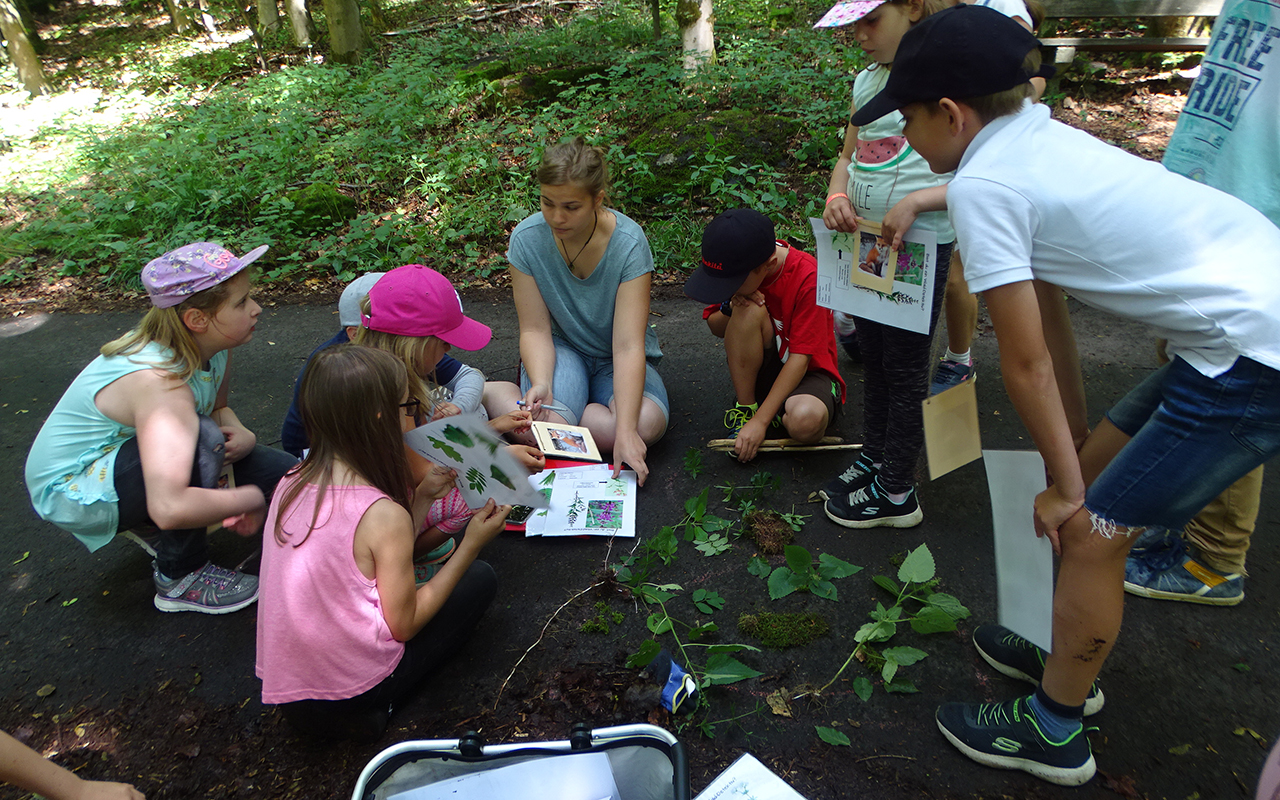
column 595, row 222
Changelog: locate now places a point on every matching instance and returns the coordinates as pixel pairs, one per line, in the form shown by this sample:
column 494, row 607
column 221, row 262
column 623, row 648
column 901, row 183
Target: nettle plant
column 802, row 573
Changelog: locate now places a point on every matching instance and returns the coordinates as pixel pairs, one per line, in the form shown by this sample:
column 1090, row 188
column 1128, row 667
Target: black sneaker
column 1014, row 656
column 860, row 473
column 1008, row 736
column 870, row 507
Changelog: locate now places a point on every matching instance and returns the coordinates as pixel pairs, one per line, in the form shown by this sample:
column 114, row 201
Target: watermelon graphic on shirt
column 874, row 155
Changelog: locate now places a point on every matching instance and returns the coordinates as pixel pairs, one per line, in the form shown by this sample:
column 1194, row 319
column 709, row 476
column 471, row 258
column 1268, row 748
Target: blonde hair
column 1002, row 104
column 574, row 161
column 409, row 350
column 165, row 327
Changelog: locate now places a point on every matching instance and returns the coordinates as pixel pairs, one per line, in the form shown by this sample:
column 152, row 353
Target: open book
column 566, row 441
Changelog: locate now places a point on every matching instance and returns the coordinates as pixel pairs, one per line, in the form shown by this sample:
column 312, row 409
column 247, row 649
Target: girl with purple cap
column 414, row 313
column 138, row 441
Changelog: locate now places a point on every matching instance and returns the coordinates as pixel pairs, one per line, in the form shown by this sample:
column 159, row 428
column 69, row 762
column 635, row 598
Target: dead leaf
column 25, row 556
column 1257, row 737
column 80, row 730
column 190, row 752
column 779, row 704
column 46, row 690
column 1180, row 750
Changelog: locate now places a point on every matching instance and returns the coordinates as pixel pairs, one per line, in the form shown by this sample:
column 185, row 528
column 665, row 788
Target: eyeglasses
column 412, row 409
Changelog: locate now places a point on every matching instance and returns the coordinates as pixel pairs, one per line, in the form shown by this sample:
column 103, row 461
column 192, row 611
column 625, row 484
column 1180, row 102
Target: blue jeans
column 1192, row 437
column 579, row 380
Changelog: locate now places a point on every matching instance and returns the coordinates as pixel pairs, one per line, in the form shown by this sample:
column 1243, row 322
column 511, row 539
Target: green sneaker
column 1014, row 656
column 1008, row 736
column 739, row 415
column 427, row 565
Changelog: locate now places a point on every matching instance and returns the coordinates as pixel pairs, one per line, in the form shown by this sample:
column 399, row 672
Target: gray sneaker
column 208, row 590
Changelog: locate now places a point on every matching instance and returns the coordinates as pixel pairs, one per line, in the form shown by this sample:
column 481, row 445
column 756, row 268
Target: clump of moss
column 320, row 207
column 780, row 631
column 768, row 530
column 600, row 622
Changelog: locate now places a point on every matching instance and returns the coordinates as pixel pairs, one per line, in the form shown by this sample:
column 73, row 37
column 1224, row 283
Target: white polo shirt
column 1036, row 199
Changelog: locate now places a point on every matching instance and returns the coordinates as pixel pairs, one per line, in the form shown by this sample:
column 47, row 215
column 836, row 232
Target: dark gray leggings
column 180, row 552
column 365, row 715
column 895, row 380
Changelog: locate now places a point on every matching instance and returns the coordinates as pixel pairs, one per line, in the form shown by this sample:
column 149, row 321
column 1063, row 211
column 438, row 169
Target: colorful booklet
column 566, row 441
column 485, row 469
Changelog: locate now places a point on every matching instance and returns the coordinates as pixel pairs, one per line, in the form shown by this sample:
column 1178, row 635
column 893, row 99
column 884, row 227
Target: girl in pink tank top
column 343, row 632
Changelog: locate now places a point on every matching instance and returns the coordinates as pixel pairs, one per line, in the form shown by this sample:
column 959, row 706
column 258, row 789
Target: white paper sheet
column 467, row 444
column 748, row 779
column 585, row 776
column 910, row 304
column 1024, row 563
column 542, row 483
column 586, row 501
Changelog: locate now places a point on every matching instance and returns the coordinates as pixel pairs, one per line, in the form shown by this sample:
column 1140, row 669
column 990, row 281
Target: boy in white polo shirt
column 1039, row 208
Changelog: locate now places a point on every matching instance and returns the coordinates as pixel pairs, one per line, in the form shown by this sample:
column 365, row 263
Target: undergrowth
column 438, row 159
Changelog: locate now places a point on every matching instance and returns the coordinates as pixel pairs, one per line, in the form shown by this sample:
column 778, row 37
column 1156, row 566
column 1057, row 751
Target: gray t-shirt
column 582, row 309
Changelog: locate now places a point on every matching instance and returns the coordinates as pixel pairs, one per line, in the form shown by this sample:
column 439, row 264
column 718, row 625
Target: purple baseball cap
column 178, row 274
column 414, row 300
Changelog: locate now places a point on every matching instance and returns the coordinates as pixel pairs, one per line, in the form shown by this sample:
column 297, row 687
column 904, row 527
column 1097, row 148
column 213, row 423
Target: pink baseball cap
column 847, row 13
column 414, row 300
column 178, row 274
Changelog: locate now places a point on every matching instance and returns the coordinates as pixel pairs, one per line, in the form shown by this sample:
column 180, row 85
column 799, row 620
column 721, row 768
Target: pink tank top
column 321, row 633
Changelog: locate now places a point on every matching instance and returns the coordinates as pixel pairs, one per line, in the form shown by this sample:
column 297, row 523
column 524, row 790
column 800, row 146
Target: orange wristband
column 834, row 196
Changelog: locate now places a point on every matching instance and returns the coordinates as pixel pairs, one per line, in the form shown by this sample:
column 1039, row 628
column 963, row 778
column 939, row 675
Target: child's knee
column 806, row 418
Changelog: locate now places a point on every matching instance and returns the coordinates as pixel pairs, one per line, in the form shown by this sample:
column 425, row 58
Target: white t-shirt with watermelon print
column 885, row 168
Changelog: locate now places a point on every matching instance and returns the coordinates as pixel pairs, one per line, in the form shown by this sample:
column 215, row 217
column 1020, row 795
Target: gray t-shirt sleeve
column 467, row 388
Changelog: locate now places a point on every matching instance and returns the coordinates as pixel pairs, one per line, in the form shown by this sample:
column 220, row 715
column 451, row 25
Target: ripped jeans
column 1191, row 438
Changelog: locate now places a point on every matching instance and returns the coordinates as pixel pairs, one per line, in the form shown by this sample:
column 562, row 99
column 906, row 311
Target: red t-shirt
column 799, row 323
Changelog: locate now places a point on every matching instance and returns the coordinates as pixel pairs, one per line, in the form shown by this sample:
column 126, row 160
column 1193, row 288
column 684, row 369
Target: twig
column 868, row 758
column 551, row 619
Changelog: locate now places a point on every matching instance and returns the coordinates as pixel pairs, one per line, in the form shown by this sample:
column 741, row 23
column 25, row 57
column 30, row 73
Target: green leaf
column 798, row 559
column 832, row 736
column 697, row 506
column 949, row 604
column 712, row 523
column 725, row 669
column 641, row 658
column 932, row 620
column 24, row 557
column 759, row 567
column 824, row 589
column 903, row 656
column 862, row 688
column 703, row 630
column 658, row 624
column 901, row 686
column 918, row 567
column 888, row 584
column 707, row 601
column 889, row 669
column 693, row 462
column 875, row 632
column 731, row 648
column 890, row 614
column 781, row 583
column 654, row 594
column 832, row 568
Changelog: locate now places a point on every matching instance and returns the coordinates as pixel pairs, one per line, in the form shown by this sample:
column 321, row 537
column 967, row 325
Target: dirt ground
column 95, row 677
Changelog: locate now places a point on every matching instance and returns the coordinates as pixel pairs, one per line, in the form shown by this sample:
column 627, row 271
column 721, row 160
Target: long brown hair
column 165, row 327
column 350, row 407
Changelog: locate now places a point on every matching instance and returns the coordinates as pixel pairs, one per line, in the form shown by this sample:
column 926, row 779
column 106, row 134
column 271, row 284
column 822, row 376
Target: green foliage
column 832, row 736
column 707, row 601
column 424, row 158
column 801, row 574
column 693, row 462
column 599, row 622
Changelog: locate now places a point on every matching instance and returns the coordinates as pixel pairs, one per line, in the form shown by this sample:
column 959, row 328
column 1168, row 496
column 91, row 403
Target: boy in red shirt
column 779, row 343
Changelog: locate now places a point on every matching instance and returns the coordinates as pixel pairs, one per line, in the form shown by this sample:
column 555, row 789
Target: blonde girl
column 139, row 439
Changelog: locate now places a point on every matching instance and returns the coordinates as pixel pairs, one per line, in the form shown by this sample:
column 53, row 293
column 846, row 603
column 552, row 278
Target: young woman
column 581, row 274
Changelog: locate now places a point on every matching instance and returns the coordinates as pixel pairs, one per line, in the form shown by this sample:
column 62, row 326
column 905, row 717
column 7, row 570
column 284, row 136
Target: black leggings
column 182, row 552
column 895, row 380
column 365, row 715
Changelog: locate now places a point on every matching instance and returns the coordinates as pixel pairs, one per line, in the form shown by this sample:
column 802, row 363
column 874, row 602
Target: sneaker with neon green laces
column 1008, row 736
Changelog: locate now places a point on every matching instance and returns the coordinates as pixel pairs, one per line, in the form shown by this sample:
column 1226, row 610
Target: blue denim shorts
column 579, row 380
column 1192, row 437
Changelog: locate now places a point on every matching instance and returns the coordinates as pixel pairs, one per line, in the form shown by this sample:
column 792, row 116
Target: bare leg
column 962, row 308
column 805, row 417
column 745, row 342
column 603, row 423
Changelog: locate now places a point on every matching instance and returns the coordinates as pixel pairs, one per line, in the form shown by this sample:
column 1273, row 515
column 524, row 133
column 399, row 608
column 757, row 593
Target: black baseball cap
column 964, row 51
column 733, row 244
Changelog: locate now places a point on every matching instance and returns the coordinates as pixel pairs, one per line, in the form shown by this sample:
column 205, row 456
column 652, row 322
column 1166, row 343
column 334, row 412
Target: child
column 1041, row 208
column 1235, row 148
column 24, row 768
column 414, row 313
column 779, row 342
column 878, row 489
column 343, row 634
column 139, row 439
column 580, row 274
column 459, row 389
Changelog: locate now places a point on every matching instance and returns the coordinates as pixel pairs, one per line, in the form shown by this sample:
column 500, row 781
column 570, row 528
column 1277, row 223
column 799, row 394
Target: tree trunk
column 21, row 52
column 180, row 16
column 268, row 15
column 304, row 27
column 376, row 15
column 346, row 35
column 29, row 25
column 697, row 32
column 657, row 18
